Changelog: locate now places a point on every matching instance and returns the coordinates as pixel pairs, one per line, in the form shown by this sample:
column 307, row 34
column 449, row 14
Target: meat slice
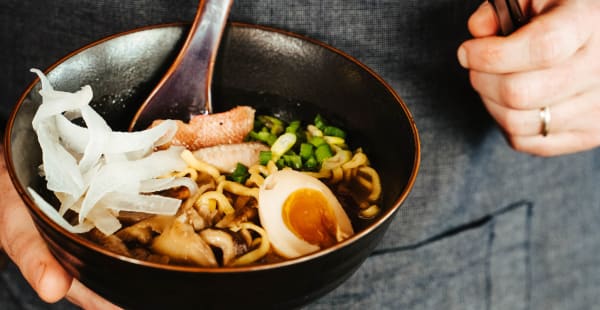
column 214, row 129
column 225, row 157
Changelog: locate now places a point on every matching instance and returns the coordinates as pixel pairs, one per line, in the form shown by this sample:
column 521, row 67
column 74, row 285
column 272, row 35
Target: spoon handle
column 184, row 91
column 510, row 16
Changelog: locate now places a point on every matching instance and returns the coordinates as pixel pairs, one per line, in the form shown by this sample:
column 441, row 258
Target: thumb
column 24, row 245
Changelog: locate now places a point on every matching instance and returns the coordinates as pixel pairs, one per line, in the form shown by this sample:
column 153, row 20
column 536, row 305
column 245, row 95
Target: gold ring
column 545, row 116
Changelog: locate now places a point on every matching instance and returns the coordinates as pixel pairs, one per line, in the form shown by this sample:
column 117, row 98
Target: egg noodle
column 216, row 200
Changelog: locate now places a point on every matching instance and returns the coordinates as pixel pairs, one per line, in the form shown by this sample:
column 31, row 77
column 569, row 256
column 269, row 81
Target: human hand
column 553, row 61
column 24, row 245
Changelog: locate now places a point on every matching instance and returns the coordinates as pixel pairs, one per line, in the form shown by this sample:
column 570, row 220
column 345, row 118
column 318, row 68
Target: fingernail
column 462, row 57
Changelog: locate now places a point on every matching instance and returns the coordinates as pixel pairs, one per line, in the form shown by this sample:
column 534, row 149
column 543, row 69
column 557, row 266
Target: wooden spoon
column 184, row 91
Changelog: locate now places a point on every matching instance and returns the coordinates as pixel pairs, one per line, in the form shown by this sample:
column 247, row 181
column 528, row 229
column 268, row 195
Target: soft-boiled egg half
column 300, row 214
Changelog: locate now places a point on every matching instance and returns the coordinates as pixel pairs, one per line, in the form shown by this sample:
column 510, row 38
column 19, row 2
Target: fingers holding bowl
column 24, row 245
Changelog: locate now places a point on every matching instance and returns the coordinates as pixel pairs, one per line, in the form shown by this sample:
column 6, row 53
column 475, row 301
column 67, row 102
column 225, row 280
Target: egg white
column 271, row 198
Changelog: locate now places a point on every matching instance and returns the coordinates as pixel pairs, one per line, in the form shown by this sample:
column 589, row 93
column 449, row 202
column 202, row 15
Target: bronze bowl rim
column 389, row 212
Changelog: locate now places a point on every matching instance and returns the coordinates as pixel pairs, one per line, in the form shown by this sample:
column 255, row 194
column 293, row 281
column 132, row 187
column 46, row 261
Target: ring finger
column 582, row 108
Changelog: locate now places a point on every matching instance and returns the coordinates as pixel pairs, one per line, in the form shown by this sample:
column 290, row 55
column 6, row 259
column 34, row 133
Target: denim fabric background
column 484, row 228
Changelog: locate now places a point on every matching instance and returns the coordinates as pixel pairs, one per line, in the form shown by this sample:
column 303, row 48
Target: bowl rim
column 30, row 204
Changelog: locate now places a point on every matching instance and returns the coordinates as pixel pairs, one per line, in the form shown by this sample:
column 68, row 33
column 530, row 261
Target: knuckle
column 476, row 80
column 514, row 93
column 550, row 47
column 516, row 144
column 512, row 122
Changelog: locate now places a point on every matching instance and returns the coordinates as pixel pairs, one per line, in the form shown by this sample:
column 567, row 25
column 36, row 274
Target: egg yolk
column 307, row 213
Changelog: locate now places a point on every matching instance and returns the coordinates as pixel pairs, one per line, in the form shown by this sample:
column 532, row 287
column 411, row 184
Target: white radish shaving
column 57, row 102
column 125, row 176
column 69, row 201
column 104, row 220
column 73, row 137
column 57, row 218
column 99, row 133
column 157, row 185
column 125, row 142
column 60, row 167
column 154, row 204
column 66, row 203
column 97, row 172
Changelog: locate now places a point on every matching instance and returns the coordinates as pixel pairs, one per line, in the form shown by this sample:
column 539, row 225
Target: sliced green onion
column 306, row 150
column 293, row 127
column 323, row 152
column 317, row 141
column 264, row 157
column 263, row 136
column 284, row 143
column 320, row 122
column 240, row 174
column 309, row 148
column 333, row 131
column 293, row 161
column 311, row 164
column 274, row 124
column 280, row 163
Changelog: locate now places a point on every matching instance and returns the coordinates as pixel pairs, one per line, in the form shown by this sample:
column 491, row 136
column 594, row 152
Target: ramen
column 227, row 189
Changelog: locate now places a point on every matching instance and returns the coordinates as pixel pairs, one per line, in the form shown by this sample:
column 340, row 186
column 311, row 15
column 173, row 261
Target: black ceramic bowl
column 274, row 71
